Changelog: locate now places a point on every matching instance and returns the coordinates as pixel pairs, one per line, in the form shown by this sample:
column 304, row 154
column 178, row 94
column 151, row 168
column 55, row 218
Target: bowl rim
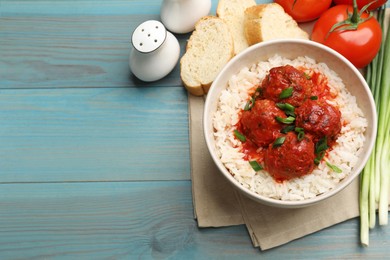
column 275, row 202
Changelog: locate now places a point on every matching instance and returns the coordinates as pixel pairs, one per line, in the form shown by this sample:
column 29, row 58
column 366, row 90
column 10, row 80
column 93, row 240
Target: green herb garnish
column 321, row 145
column 256, row 166
column 320, row 149
column 287, row 108
column 249, row 104
column 239, row 136
column 289, row 120
column 334, row 167
column 301, row 133
column 287, row 129
column 286, row 93
column 279, row 141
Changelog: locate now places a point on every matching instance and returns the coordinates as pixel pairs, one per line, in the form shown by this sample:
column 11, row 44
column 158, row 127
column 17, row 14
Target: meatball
column 292, row 159
column 319, row 119
column 259, row 124
column 281, row 78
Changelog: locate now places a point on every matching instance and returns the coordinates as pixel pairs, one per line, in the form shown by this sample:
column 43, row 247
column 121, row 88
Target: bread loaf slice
column 209, row 48
column 269, row 21
column 232, row 12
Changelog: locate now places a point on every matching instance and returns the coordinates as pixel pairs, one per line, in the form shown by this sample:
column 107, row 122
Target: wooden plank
column 85, row 7
column 62, row 44
column 100, row 220
column 142, row 220
column 75, row 7
column 106, row 134
column 64, row 52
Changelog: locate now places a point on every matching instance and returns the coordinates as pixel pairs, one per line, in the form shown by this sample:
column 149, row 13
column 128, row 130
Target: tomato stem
column 355, row 15
column 353, row 20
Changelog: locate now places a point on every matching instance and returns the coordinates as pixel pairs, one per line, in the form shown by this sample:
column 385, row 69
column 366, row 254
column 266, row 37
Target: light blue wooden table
column 95, row 164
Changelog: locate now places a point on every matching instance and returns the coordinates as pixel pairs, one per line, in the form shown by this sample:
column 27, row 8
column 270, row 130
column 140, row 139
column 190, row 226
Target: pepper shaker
column 154, row 53
column 180, row 16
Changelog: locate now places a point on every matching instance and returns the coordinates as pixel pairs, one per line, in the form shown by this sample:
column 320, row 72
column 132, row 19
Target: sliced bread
column 232, row 12
column 209, row 48
column 269, row 21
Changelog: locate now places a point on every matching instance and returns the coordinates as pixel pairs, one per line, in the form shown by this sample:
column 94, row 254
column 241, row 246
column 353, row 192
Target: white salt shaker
column 155, row 51
column 180, row 16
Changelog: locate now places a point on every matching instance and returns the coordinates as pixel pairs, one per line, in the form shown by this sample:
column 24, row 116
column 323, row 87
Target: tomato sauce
column 287, row 119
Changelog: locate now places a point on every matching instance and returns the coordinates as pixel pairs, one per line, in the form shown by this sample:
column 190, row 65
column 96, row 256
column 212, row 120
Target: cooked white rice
column 344, row 153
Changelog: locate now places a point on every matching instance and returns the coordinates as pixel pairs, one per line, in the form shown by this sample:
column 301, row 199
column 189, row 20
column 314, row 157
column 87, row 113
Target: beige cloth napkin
column 217, row 204
column 270, row 227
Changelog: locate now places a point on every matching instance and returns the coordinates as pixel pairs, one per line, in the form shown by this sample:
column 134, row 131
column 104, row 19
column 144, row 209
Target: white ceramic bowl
column 292, row 49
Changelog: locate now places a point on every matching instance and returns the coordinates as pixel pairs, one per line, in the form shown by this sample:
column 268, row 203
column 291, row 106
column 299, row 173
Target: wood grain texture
column 94, row 134
column 64, row 44
column 101, row 220
column 70, row 52
column 142, row 220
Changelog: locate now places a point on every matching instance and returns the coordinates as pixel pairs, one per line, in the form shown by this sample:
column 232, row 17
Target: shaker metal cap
column 149, row 36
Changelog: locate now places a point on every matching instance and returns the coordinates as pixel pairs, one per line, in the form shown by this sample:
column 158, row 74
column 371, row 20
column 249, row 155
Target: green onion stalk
column 383, row 139
column 374, row 189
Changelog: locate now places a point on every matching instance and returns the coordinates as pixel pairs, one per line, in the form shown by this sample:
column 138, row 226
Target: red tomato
column 358, row 46
column 362, row 3
column 304, row 10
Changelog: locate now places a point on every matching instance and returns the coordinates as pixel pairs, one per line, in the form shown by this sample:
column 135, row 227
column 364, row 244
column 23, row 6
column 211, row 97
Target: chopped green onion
column 287, row 129
column 320, row 149
column 286, row 93
column 289, row 120
column 314, row 97
column 301, row 133
column 334, row 167
column 321, row 145
column 279, row 141
column 239, row 136
column 287, row 108
column 317, row 161
column 249, row 104
column 289, row 113
column 319, row 157
column 256, row 166
column 258, row 92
